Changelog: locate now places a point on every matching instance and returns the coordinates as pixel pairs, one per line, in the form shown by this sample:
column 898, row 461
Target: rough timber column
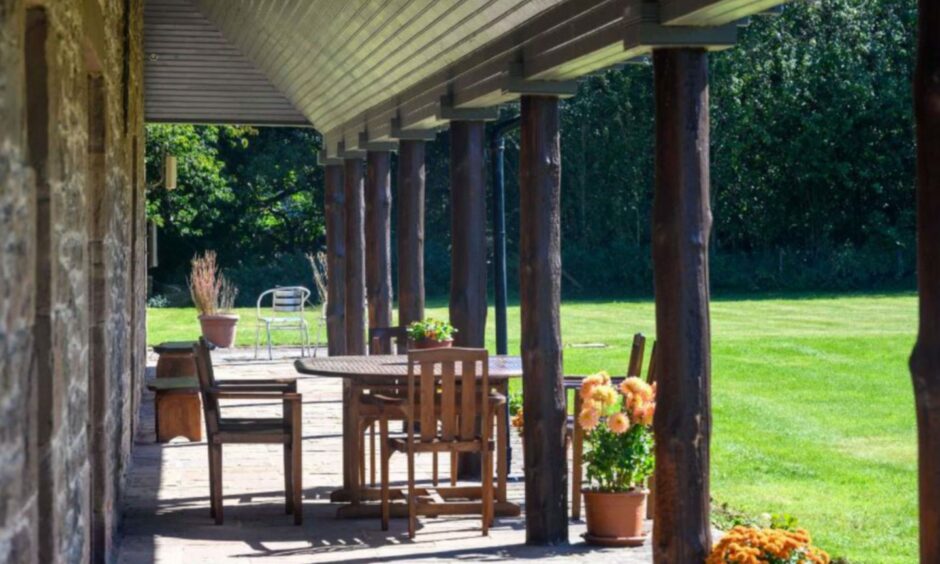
column 546, row 490
column 378, row 194
column 411, row 176
column 681, row 224
column 335, row 259
column 355, row 259
column 468, row 233
column 925, row 360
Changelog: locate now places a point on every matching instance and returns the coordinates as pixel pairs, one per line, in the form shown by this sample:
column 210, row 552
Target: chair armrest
column 381, row 400
column 497, row 399
column 259, row 385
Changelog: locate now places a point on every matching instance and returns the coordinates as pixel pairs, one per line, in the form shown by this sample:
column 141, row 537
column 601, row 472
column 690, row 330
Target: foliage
column 318, row 266
column 212, row 293
column 751, row 545
column 157, row 301
column 430, row 330
column 617, row 431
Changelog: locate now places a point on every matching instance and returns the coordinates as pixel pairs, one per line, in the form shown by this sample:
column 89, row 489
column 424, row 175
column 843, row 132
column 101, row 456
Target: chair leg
column 434, row 469
column 383, row 439
column 487, row 489
column 297, row 485
column 412, row 500
column 270, row 354
column 453, row 469
column 502, row 447
column 257, row 339
column 288, row 481
column 372, row 454
column 212, row 508
column 215, row 454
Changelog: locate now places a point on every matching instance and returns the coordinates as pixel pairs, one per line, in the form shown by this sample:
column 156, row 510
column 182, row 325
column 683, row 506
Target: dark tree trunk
column 546, row 485
column 925, row 360
column 468, row 233
column 411, row 175
column 378, row 194
column 355, row 260
column 681, row 223
column 335, row 213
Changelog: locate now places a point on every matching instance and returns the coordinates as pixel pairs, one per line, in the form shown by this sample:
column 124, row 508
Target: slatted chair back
column 287, row 302
column 450, row 386
column 210, row 405
column 381, row 340
column 636, row 355
column 651, row 370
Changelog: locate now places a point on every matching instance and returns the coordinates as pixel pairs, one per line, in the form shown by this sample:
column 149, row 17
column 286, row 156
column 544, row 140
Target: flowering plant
column 617, row 424
column 751, row 545
column 430, row 330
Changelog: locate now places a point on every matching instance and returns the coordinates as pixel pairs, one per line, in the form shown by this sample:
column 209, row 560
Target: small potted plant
column 617, row 424
column 214, row 297
column 431, row 334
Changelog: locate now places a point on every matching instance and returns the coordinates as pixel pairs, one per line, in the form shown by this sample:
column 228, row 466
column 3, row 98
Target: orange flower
column 647, row 418
column 589, row 418
column 618, row 423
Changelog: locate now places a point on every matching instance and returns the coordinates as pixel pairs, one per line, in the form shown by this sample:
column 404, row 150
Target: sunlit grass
column 812, row 403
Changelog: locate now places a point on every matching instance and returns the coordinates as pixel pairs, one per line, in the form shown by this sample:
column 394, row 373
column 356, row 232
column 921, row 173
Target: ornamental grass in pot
column 430, row 334
column 618, row 437
column 214, row 297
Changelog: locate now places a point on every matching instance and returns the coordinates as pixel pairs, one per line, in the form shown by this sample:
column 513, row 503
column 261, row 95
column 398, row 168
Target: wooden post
column 468, row 233
column 378, row 194
column 925, row 360
column 546, row 485
column 335, row 213
column 355, row 259
column 681, row 224
column 411, row 175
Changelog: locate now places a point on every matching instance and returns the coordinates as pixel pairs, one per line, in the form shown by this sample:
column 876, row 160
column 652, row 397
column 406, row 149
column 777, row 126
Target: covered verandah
column 375, row 79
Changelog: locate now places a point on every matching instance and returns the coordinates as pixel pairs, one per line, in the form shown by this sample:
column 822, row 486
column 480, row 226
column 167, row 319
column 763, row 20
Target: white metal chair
column 285, row 313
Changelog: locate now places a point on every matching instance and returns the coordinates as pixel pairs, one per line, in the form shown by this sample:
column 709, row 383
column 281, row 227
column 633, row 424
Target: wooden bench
column 177, row 408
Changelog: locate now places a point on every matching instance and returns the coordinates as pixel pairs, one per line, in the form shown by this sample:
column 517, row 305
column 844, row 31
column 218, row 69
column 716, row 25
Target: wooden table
column 364, row 373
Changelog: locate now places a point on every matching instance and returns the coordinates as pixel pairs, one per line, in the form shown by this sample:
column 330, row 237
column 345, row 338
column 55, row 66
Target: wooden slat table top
column 392, row 366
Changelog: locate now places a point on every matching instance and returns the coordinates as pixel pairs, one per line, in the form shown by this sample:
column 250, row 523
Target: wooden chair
column 576, row 435
column 285, row 430
column 436, row 394
column 382, row 340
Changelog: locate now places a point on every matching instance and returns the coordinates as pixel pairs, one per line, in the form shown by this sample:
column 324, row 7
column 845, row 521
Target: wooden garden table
column 390, row 372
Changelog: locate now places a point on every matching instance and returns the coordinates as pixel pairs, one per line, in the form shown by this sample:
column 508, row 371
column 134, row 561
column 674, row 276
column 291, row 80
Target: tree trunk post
column 411, row 176
column 546, row 484
column 335, row 213
column 355, row 259
column 468, row 233
column 925, row 359
column 681, row 224
column 378, row 195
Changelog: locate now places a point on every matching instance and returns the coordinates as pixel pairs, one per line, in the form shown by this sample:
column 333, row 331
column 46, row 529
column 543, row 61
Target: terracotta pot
column 219, row 329
column 425, row 344
column 615, row 518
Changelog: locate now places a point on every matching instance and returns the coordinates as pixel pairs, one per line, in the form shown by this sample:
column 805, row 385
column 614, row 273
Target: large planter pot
column 615, row 519
column 425, row 344
column 219, row 329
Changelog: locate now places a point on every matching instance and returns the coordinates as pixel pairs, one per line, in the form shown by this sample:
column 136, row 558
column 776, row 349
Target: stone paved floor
column 166, row 512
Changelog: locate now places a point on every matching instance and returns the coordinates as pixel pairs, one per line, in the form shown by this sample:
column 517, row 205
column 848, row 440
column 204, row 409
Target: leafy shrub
column 157, row 301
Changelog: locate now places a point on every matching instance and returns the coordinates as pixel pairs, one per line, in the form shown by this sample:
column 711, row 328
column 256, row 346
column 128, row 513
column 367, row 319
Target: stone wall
column 72, row 272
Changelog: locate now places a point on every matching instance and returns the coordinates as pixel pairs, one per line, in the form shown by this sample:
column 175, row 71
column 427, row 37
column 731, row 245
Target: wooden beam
column 411, row 176
column 925, row 360
column 468, row 233
column 681, row 224
column 355, row 259
column 335, row 212
column 378, row 194
column 546, row 487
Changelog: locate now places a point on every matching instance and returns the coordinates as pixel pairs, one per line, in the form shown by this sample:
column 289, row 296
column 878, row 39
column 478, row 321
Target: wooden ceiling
column 368, row 72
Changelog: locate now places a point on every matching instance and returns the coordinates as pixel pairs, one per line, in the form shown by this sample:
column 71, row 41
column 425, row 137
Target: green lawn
column 813, row 406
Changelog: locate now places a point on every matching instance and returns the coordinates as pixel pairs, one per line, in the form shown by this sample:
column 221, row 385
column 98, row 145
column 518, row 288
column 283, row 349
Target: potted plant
column 431, row 334
column 770, row 546
column 214, row 297
column 617, row 424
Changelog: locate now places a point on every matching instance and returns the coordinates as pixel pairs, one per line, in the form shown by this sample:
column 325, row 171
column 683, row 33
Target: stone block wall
column 72, row 272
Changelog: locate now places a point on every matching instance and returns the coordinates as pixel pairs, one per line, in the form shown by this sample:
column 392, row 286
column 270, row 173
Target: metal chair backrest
column 210, row 405
column 440, row 393
column 636, row 355
column 285, row 300
column 381, row 338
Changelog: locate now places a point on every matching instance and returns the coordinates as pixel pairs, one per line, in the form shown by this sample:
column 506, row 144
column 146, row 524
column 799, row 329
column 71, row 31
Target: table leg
column 350, row 443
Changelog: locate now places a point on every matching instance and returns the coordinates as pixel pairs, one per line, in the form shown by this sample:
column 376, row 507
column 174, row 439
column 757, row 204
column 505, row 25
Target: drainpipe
column 497, row 151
